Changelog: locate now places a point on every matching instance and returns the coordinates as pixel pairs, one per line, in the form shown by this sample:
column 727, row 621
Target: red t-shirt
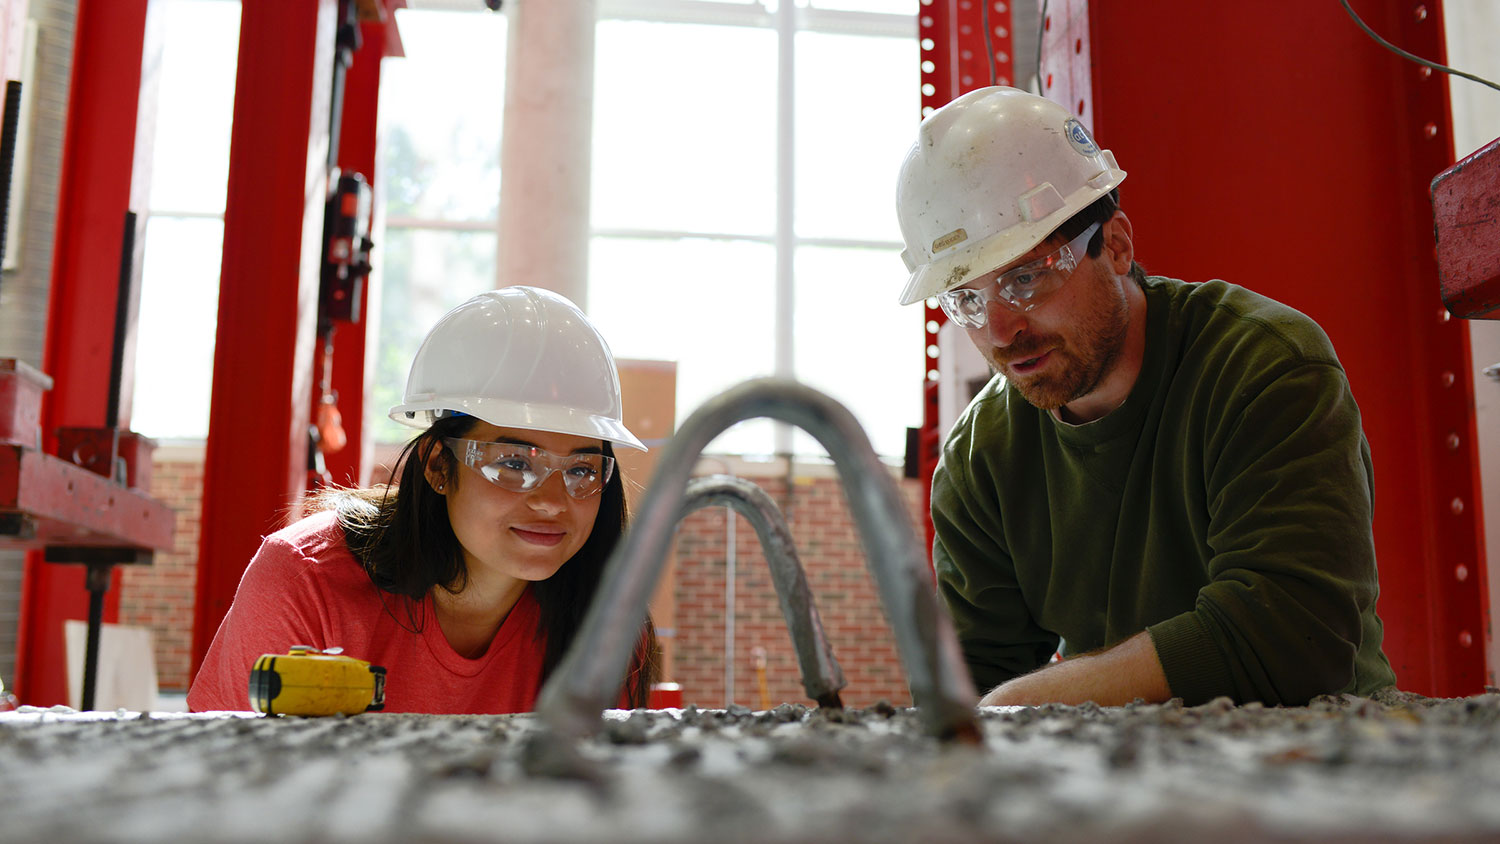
column 304, row 587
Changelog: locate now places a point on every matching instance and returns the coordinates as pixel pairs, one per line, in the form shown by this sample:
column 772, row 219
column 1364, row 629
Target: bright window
column 185, row 228
column 708, row 249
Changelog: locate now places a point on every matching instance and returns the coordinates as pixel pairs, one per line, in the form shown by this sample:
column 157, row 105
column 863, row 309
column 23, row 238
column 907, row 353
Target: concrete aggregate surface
column 1397, row 768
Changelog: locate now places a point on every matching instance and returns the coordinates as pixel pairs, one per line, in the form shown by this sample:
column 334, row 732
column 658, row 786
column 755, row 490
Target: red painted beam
column 256, row 455
column 93, row 195
column 1466, row 222
column 65, row 504
column 1289, row 153
column 955, row 56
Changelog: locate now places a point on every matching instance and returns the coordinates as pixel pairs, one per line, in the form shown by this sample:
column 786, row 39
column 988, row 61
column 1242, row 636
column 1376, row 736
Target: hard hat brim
column 963, row 266
column 524, row 415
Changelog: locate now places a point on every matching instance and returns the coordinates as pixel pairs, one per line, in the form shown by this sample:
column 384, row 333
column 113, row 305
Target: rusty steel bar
column 821, row 675
column 591, row 673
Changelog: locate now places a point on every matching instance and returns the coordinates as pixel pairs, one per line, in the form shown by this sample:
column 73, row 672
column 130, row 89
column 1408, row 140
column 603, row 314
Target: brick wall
column 843, row 592
column 161, row 596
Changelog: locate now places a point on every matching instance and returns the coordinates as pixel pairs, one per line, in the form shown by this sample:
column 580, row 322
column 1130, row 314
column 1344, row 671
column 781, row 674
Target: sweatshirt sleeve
column 977, row 582
column 273, row 609
column 1292, row 566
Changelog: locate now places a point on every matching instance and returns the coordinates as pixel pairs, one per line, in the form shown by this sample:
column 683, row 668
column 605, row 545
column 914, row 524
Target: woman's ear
column 435, row 470
column 1119, row 243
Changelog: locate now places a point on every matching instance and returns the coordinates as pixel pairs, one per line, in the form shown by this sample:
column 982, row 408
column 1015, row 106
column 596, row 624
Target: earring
column 439, row 487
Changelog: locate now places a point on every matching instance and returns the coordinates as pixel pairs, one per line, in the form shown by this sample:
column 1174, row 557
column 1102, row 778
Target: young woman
column 468, row 579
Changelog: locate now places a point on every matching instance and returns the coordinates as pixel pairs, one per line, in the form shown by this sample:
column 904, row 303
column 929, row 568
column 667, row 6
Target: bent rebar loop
column 821, row 675
column 591, row 672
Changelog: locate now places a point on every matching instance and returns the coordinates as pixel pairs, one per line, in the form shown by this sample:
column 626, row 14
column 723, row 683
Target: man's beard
column 1080, row 366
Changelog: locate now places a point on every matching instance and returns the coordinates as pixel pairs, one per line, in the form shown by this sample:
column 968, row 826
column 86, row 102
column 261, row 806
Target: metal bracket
column 822, row 677
column 591, row 672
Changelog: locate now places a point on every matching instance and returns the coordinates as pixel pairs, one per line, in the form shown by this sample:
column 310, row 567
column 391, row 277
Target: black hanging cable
column 989, row 47
column 1418, row 59
column 1041, row 32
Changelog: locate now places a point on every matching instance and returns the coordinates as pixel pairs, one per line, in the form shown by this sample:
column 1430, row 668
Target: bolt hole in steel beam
column 822, row 677
column 585, row 682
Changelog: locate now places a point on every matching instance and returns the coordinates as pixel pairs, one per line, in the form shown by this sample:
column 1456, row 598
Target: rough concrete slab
column 1343, row 769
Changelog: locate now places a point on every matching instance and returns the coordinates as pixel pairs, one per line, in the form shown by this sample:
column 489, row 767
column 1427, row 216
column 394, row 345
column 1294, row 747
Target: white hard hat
column 518, row 357
column 992, row 174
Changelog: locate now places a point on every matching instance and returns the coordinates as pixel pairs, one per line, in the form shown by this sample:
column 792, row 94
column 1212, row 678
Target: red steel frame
column 1289, row 153
column 94, row 194
column 266, row 356
column 255, row 459
column 954, row 62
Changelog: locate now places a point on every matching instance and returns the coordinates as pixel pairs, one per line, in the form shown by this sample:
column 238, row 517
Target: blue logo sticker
column 1079, row 137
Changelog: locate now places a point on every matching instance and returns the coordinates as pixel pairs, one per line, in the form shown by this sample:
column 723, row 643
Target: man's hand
column 1114, row 677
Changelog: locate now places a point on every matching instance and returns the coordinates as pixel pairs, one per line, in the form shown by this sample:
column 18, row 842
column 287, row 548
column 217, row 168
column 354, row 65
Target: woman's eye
column 582, row 470
column 513, row 464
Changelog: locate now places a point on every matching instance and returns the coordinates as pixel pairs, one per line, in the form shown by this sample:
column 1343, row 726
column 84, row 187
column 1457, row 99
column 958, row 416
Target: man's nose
column 1003, row 324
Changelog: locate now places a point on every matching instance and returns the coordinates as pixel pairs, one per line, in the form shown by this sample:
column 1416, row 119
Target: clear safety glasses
column 521, row 468
column 1019, row 289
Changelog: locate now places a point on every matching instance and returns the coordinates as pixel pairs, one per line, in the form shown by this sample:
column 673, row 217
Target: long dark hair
column 402, row 537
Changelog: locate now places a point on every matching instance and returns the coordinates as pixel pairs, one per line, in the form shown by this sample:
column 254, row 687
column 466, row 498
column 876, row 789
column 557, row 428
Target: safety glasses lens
column 522, row 469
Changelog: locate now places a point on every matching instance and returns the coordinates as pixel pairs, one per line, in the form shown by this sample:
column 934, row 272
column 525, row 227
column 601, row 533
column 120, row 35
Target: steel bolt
column 1453, row 441
column 1461, row 572
column 1444, row 315
column 1447, row 379
column 1420, row 13
column 1430, row 130
column 1465, row 639
column 1457, row 506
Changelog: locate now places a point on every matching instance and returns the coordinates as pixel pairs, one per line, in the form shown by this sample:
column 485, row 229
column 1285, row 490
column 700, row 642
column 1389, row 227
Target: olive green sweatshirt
column 1225, row 507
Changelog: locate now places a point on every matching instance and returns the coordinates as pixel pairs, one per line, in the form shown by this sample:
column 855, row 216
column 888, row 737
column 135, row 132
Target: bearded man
column 1165, row 491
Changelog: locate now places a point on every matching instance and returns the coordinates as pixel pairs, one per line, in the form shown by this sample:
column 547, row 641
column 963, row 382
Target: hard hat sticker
column 949, row 240
column 1079, row 137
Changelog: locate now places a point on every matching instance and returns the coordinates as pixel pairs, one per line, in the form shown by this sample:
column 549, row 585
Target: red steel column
column 256, row 455
column 94, row 194
column 1283, row 150
column 350, row 466
column 955, row 60
column 1289, row 153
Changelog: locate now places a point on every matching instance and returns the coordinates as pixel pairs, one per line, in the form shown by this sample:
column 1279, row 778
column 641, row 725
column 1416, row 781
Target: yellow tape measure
column 307, row 681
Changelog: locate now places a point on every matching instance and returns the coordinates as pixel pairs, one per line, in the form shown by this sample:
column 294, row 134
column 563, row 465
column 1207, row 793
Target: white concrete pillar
column 547, row 146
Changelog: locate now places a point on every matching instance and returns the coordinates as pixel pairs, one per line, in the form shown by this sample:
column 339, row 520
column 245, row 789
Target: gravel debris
column 1396, row 768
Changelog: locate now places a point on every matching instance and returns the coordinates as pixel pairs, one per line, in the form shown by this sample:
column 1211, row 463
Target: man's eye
column 1026, row 280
